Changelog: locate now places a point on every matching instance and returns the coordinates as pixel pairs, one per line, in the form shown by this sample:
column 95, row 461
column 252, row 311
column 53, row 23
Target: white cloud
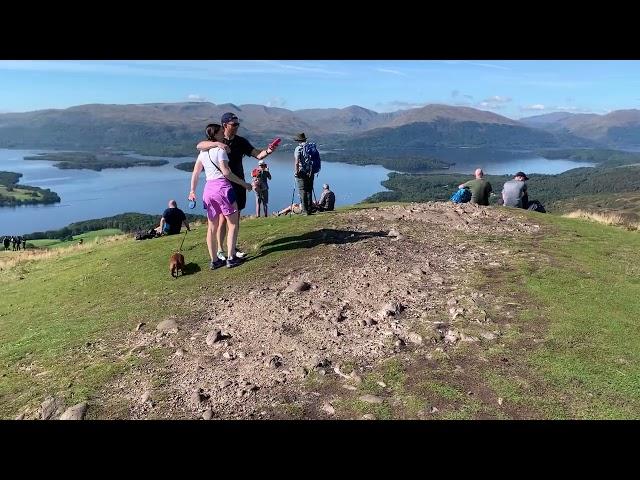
column 203, row 70
column 394, row 105
column 194, row 97
column 495, row 102
column 476, row 64
column 536, row 107
column 276, row 102
column 498, row 99
column 394, row 72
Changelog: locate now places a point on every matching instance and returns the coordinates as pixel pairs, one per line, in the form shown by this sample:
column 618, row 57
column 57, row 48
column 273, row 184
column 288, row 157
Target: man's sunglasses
column 235, row 124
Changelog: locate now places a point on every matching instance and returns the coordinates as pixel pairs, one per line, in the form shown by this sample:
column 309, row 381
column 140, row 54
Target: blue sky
column 511, row 88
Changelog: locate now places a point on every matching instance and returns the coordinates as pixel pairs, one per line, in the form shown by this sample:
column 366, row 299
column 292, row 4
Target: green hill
column 427, row 311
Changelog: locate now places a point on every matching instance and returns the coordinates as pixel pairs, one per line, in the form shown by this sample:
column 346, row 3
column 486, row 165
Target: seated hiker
column 514, row 192
column 480, row 188
column 293, row 208
column 327, row 200
column 172, row 220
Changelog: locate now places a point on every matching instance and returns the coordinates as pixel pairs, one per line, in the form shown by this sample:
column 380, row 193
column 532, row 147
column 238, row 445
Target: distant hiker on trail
column 261, row 175
column 239, row 147
column 303, row 174
column 172, row 220
column 480, row 188
column 327, row 200
column 6, row 242
column 219, row 198
column 514, row 192
column 24, row 244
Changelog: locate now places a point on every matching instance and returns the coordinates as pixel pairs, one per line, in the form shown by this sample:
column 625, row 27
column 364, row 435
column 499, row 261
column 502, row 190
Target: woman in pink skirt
column 218, row 196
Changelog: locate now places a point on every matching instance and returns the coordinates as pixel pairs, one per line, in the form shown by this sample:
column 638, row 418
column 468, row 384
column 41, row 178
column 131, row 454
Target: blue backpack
column 309, row 159
column 461, row 196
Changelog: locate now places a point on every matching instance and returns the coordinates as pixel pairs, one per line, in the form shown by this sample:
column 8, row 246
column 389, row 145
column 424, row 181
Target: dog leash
column 185, row 236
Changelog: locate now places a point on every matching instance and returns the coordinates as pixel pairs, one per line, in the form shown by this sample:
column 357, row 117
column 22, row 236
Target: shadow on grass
column 191, row 268
column 326, row 236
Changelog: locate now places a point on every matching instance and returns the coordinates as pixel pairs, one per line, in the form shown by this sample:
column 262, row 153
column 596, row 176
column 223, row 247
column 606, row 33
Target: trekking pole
column 185, row 236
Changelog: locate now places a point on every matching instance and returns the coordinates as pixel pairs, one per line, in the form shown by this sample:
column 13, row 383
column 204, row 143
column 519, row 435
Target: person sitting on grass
column 172, row 220
column 327, row 200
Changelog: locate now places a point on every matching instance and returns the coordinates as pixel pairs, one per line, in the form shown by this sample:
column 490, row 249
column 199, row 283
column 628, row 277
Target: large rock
column 414, row 337
column 299, row 286
column 169, row 326
column 50, row 408
column 77, row 412
column 214, row 337
column 328, row 409
column 370, row 399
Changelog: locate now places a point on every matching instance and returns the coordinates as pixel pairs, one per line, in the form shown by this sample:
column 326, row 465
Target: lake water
column 86, row 194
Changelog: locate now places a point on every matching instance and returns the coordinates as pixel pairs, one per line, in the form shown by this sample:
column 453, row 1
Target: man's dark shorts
column 241, row 195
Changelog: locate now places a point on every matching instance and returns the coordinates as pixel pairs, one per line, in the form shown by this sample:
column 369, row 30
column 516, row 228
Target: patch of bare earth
column 372, row 285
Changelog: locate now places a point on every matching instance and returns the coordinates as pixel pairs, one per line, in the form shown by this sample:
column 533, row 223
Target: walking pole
column 291, row 205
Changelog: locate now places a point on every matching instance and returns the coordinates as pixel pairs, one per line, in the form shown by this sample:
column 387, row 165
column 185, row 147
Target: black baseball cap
column 229, row 117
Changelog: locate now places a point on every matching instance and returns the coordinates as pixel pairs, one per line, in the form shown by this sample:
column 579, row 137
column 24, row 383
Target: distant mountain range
column 620, row 128
column 174, row 128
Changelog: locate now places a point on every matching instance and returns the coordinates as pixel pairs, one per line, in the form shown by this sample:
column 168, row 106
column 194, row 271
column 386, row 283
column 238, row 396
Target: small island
column 186, row 166
column 97, row 162
column 12, row 195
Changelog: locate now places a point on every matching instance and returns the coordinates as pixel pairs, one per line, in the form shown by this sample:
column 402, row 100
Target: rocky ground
column 375, row 284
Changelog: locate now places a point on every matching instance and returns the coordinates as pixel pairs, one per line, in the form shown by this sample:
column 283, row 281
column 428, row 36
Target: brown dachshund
column 176, row 262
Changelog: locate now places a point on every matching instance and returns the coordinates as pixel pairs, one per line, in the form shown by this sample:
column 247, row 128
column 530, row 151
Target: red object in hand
column 275, row 143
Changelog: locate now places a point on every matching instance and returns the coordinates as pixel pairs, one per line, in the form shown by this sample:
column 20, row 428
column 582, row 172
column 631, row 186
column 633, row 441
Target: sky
column 513, row 88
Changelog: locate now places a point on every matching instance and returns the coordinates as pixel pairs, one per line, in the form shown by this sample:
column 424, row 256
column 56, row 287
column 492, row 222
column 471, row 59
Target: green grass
column 52, row 306
column 53, row 242
column 18, row 193
column 581, row 294
column 592, row 352
column 587, row 300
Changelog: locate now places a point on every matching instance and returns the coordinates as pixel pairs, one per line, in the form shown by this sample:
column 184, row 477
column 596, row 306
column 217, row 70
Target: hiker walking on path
column 239, row 147
column 479, row 187
column 219, row 198
column 514, row 192
column 304, row 174
column 261, row 186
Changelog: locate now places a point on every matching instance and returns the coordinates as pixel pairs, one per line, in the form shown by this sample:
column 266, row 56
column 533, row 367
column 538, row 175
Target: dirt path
column 374, row 284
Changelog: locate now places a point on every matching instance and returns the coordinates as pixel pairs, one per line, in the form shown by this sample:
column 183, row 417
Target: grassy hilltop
column 540, row 321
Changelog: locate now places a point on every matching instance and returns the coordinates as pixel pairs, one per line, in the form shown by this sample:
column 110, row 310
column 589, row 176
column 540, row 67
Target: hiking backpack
column 309, row 159
column 461, row 196
column 536, row 206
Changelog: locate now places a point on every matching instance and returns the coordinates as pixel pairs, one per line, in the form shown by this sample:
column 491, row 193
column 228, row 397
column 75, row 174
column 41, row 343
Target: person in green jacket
column 479, row 187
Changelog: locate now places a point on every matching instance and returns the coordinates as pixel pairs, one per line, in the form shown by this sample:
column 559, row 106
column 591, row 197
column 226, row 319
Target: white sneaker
column 240, row 254
column 221, row 255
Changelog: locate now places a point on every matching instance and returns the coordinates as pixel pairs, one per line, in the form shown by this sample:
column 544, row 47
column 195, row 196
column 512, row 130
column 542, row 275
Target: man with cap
column 514, row 192
column 262, row 187
column 238, row 148
column 327, row 200
column 303, row 179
